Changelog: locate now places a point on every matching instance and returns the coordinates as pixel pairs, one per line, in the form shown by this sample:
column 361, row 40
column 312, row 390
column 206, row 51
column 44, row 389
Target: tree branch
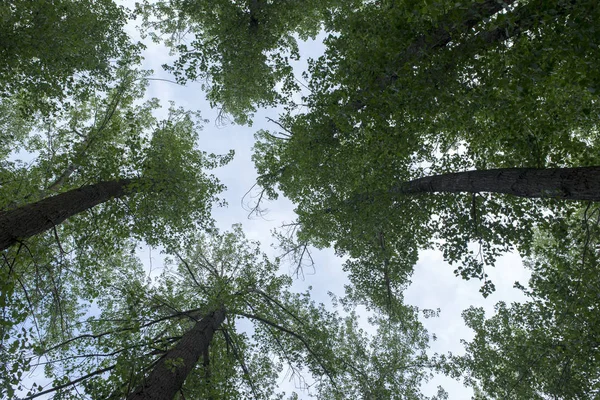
column 71, row 383
column 294, row 334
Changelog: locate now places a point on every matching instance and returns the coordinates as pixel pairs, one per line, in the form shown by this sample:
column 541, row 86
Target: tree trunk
column 34, row 218
column 581, row 183
column 169, row 374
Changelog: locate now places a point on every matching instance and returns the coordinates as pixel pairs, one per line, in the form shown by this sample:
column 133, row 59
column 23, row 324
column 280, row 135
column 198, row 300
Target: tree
column 546, row 347
column 240, row 50
column 191, row 314
column 119, row 148
column 408, row 96
column 107, row 140
column 171, row 370
column 46, row 56
column 32, row 219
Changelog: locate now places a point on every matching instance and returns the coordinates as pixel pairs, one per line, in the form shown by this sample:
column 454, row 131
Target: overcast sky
column 433, row 284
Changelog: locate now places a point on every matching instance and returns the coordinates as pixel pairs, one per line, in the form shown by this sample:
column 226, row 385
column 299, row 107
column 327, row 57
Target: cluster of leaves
column 546, row 347
column 47, row 56
column 242, row 51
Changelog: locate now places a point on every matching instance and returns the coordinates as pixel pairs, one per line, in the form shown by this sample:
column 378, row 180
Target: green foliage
column 46, row 54
column 113, row 136
column 242, row 51
column 548, row 346
column 405, row 91
column 142, row 319
column 48, row 280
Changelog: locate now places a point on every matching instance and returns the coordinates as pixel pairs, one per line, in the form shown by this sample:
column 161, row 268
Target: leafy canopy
column 406, row 91
column 46, row 54
column 107, row 137
column 547, row 346
column 142, row 319
column 242, row 51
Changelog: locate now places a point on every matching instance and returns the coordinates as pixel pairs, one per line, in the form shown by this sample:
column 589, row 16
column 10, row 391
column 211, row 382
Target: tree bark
column 581, row 183
column 169, row 374
column 31, row 219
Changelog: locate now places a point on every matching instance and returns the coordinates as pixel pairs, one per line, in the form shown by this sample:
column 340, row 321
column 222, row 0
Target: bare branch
column 297, row 336
column 287, row 135
column 71, row 383
column 240, row 360
column 256, row 208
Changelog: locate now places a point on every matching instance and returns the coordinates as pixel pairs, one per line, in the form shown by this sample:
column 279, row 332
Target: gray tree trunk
column 169, row 374
column 31, row 219
column 581, row 183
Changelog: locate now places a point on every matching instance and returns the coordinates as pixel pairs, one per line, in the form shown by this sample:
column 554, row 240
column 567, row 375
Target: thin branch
column 294, row 334
column 189, row 269
column 164, row 80
column 31, row 307
column 240, row 360
column 282, row 350
column 278, row 303
column 288, row 133
column 62, row 251
column 256, row 208
column 214, row 269
column 71, row 383
column 113, row 353
column 386, row 271
column 124, row 329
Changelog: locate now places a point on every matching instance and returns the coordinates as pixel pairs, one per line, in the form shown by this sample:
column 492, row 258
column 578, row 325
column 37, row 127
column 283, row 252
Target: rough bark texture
column 169, row 374
column 34, row 218
column 556, row 183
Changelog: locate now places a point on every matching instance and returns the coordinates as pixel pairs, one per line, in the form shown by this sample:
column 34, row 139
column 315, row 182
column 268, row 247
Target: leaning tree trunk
column 169, row 374
column 34, row 218
column 581, row 183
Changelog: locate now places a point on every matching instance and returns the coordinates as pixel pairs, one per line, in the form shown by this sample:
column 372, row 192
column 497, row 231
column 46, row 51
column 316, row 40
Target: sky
column 434, row 284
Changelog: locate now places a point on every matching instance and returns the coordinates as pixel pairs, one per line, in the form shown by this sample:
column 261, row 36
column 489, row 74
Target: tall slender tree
column 150, row 338
column 105, row 148
column 172, row 369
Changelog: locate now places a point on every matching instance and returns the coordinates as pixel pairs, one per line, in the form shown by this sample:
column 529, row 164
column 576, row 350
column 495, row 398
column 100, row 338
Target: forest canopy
column 468, row 128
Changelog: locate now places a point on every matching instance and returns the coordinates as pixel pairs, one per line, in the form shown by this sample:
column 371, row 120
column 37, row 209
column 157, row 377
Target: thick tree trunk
column 169, row 374
column 34, row 218
column 551, row 183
